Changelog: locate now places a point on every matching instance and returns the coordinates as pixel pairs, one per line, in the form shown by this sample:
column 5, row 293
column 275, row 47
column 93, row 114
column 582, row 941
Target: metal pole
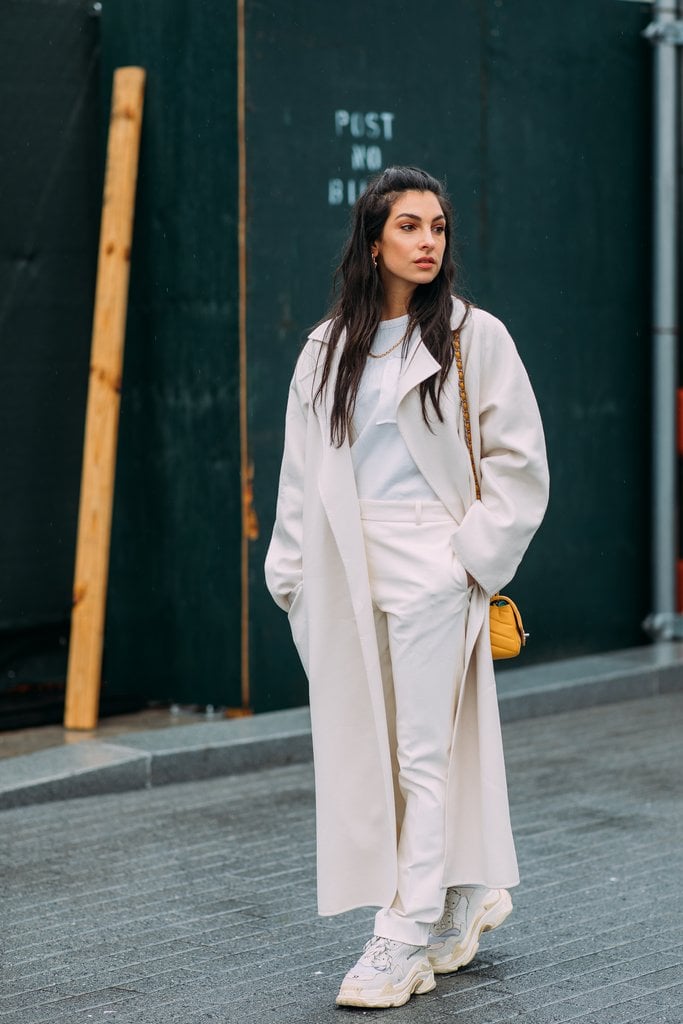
column 663, row 621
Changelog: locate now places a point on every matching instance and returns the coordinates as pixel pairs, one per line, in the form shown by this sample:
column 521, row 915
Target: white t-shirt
column 384, row 468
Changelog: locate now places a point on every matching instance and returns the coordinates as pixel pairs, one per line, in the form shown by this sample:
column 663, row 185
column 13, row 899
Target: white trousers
column 420, row 598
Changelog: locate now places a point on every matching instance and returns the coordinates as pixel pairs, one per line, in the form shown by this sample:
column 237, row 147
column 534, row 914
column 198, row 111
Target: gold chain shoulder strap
column 506, row 631
column 465, row 409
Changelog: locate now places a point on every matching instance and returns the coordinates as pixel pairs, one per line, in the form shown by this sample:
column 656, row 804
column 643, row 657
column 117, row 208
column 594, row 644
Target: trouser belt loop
column 418, row 513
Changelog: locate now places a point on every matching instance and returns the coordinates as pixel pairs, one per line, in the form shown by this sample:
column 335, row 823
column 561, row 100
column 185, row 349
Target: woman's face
column 411, row 247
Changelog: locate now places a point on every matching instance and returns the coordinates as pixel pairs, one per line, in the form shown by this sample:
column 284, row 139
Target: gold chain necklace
column 381, row 355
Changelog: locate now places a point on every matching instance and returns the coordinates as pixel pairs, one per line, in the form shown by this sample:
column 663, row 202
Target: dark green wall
column 50, row 189
column 537, row 116
column 174, row 615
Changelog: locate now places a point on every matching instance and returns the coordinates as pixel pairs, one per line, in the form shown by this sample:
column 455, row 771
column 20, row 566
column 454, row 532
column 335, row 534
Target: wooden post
column 102, row 416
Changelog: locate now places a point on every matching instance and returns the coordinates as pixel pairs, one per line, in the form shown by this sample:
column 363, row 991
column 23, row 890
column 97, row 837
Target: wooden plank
column 102, row 415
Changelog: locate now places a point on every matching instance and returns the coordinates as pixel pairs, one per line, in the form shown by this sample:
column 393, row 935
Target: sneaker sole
column 419, row 981
column 488, row 919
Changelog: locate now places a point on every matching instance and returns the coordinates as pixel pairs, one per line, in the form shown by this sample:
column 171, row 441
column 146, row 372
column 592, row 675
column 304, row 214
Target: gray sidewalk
column 210, row 749
column 196, row 903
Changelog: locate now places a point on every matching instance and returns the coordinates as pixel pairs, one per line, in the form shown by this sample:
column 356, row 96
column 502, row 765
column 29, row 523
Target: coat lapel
column 420, row 365
column 443, row 444
column 339, row 497
column 338, row 493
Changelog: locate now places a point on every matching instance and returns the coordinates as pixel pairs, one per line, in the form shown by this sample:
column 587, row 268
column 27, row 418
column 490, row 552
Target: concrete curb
column 587, row 682
column 211, row 749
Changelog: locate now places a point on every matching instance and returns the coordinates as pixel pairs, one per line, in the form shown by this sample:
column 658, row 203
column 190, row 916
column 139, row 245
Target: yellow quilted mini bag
column 507, row 631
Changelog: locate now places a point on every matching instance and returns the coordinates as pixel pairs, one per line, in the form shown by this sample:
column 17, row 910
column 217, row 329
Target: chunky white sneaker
column 387, row 974
column 469, row 911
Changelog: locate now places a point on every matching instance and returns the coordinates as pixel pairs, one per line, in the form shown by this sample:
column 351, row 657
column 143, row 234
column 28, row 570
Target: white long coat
column 316, row 570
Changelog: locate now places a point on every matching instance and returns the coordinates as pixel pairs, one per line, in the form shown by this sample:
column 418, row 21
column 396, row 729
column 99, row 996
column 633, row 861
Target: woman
column 385, row 560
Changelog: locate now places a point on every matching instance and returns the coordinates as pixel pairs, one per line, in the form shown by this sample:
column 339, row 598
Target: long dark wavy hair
column 358, row 306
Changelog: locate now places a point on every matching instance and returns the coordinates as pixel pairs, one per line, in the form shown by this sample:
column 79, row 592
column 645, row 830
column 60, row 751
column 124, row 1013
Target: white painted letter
column 373, row 158
column 357, row 157
column 372, row 122
column 357, row 125
column 341, row 121
column 335, row 192
column 387, row 121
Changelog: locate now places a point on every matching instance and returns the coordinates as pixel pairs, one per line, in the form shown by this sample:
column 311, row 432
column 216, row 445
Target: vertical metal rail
column 664, row 622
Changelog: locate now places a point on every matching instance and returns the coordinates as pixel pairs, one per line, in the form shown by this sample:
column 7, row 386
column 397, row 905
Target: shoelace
column 377, row 952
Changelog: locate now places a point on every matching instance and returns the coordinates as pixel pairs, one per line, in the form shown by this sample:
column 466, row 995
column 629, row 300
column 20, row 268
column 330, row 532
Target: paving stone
column 196, row 903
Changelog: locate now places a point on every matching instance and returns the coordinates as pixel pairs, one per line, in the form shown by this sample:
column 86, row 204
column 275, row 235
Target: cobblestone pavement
column 196, row 902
